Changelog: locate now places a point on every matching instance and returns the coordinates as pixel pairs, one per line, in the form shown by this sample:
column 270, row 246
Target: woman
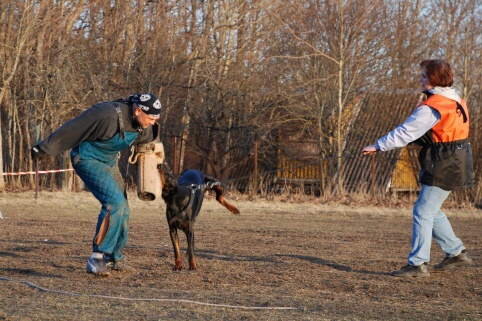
column 440, row 124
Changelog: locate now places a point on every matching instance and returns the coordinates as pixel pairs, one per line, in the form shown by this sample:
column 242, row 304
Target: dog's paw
column 177, row 266
column 192, row 265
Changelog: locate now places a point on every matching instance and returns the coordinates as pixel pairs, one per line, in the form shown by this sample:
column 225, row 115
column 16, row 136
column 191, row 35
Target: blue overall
column 95, row 163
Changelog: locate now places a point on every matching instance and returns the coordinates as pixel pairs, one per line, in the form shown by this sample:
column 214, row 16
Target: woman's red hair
column 439, row 72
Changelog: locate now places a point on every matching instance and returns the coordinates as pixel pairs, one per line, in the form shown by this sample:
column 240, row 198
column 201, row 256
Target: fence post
column 373, row 175
column 255, row 179
column 37, row 135
column 174, row 160
column 66, row 176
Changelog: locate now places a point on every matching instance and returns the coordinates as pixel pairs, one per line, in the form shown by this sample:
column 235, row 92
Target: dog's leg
column 190, row 247
column 177, row 249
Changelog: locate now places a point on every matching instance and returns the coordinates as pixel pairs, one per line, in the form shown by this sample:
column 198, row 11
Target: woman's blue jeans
column 428, row 221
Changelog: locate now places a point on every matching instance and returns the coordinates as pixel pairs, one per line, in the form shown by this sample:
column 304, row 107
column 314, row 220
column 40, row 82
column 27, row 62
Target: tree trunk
column 2, row 177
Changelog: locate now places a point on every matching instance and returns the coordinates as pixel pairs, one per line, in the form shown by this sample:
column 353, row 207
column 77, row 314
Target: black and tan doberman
column 184, row 198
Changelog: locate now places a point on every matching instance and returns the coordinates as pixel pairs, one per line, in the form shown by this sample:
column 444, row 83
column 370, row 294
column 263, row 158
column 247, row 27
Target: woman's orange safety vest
column 454, row 120
column 446, row 157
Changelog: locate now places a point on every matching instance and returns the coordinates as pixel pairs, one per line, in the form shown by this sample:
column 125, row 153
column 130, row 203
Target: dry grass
column 329, row 260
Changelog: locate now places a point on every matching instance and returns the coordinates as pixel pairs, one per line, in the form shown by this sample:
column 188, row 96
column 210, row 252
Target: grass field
column 278, row 260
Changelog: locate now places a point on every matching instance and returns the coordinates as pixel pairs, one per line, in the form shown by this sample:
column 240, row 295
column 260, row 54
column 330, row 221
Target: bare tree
column 459, row 31
column 231, row 74
column 336, row 44
column 410, row 40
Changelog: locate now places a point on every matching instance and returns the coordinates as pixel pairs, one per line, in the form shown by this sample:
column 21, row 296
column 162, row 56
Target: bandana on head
column 148, row 103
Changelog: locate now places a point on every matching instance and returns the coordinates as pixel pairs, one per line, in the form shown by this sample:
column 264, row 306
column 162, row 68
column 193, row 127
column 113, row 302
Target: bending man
column 96, row 137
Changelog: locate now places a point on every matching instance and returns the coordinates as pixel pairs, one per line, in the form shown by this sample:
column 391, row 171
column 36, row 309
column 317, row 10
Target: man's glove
column 36, row 152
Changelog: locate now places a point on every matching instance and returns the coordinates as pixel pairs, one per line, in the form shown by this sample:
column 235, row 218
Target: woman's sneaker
column 452, row 262
column 96, row 265
column 417, row 271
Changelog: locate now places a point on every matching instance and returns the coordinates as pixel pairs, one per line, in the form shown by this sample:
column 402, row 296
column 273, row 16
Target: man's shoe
column 120, row 265
column 452, row 262
column 417, row 271
column 96, row 265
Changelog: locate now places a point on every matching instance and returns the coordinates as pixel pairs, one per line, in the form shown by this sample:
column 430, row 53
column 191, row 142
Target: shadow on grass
column 213, row 255
column 207, row 254
column 45, row 241
column 9, row 254
column 334, row 265
column 28, row 272
column 319, row 261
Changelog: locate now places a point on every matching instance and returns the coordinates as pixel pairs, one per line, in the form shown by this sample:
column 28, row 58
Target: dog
column 184, row 198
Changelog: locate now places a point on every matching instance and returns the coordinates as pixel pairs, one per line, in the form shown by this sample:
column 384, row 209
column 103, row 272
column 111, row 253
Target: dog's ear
column 170, row 187
column 161, row 175
column 166, row 170
column 173, row 182
column 171, row 179
column 164, row 166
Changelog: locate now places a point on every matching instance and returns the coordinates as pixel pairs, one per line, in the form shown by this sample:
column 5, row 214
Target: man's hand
column 36, row 152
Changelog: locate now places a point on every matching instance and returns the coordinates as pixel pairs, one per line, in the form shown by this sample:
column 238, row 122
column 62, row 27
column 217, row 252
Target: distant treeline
column 233, row 76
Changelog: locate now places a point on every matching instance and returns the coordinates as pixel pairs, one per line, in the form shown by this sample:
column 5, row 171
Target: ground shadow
column 54, row 242
column 213, row 255
column 10, row 254
column 319, row 261
column 333, row 265
column 29, row 272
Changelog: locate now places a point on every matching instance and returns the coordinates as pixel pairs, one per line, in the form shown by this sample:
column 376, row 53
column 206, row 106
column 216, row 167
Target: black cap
column 148, row 103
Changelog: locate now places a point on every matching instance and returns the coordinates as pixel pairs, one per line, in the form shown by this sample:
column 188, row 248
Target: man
column 440, row 124
column 96, row 137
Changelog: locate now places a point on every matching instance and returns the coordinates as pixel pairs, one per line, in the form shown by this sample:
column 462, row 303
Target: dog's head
column 169, row 181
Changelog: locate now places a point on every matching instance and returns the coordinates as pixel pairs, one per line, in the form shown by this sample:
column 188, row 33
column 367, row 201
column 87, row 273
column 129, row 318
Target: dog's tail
column 219, row 197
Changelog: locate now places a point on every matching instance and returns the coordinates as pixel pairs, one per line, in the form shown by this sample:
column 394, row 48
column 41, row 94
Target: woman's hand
column 370, row 149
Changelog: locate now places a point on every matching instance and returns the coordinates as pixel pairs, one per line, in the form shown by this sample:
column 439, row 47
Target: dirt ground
column 275, row 261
